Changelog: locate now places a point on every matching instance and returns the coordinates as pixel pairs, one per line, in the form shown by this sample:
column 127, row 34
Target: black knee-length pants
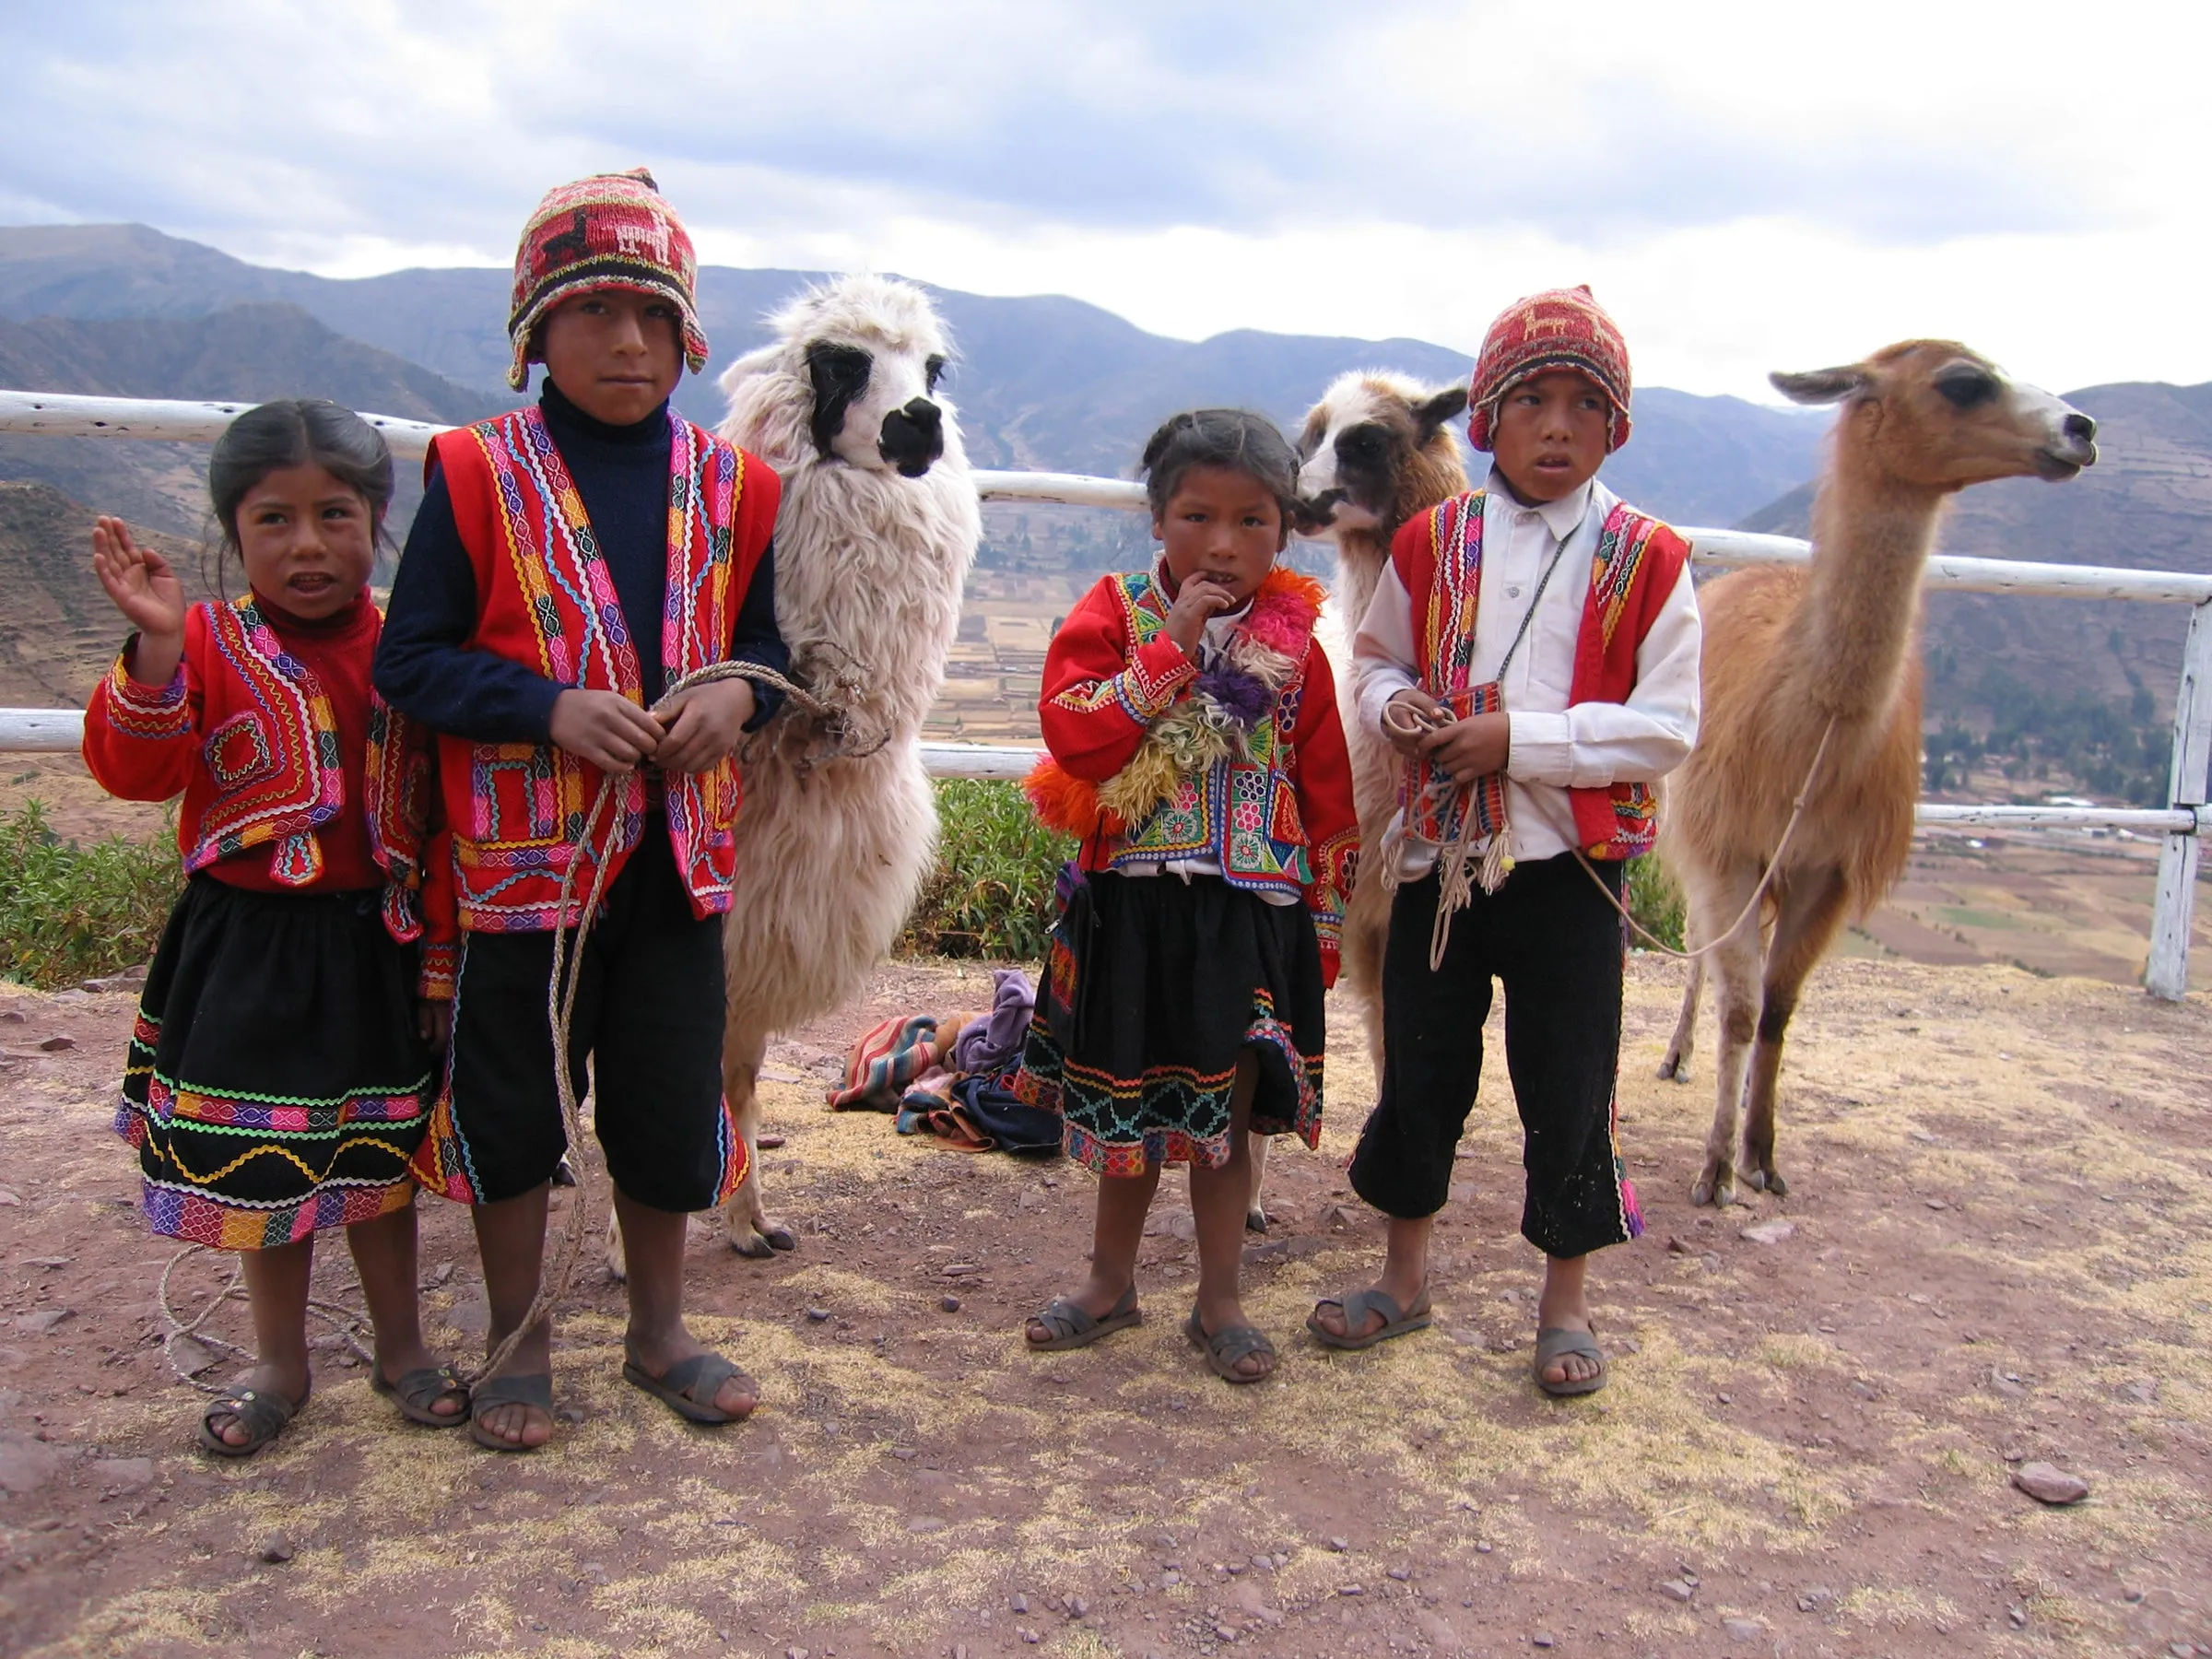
column 1548, row 934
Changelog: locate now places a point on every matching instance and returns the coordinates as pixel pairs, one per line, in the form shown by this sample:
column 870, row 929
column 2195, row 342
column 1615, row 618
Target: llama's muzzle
column 913, row 439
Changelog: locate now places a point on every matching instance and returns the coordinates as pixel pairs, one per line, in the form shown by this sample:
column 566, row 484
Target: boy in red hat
column 1531, row 654
column 571, row 560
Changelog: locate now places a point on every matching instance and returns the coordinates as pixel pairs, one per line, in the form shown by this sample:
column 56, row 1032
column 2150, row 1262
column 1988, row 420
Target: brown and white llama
column 1376, row 450
column 877, row 529
column 1829, row 653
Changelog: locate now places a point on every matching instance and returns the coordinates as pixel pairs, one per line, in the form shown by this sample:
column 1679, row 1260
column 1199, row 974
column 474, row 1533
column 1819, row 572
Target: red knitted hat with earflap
column 611, row 231
column 1559, row 328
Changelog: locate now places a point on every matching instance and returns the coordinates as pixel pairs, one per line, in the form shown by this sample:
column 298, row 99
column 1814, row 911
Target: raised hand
column 145, row 588
column 605, row 728
column 1200, row 601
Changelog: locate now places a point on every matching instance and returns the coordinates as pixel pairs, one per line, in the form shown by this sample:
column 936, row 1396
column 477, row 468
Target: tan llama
column 1831, row 649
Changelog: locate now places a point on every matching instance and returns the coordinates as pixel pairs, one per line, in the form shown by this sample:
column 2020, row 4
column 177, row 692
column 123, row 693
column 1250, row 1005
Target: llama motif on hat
column 1559, row 328
column 611, row 231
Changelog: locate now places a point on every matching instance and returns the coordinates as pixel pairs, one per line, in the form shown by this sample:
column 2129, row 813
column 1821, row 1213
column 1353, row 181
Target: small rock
column 770, row 1143
column 275, row 1547
column 2046, row 1483
column 1766, row 1232
column 569, row 1415
column 951, row 1304
column 1743, row 1630
column 925, row 1523
column 1725, row 1399
column 2008, row 1386
column 71, row 996
column 1351, row 1589
column 1817, row 1599
column 1028, row 1636
column 1439, row 1633
column 8, row 1199
column 190, row 1355
column 2019, row 1616
column 13, row 1017
column 1675, row 1590
column 1077, row 1607
column 49, row 1262
column 26, row 1465
column 1339, row 1545
column 1543, row 1639
column 818, row 1314
column 58, row 1044
column 1017, row 1602
column 959, row 1269
column 1482, row 1547
column 795, row 1653
column 1170, row 1579
column 123, row 1474
column 43, row 1321
column 1401, row 1573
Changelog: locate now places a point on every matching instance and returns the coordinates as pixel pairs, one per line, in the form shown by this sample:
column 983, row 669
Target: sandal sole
column 682, row 1403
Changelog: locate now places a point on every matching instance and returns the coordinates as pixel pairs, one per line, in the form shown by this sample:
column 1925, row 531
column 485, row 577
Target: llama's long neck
column 1360, row 556
column 1854, row 636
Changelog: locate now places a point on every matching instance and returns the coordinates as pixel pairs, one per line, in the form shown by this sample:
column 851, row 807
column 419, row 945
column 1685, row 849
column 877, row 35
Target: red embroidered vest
column 269, row 744
column 546, row 599
column 1633, row 571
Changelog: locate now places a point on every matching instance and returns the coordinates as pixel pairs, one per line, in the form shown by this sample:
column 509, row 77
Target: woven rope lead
column 1455, row 893
column 849, row 739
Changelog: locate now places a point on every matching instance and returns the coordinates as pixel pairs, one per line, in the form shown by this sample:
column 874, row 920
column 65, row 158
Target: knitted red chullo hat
column 611, row 231
column 1559, row 328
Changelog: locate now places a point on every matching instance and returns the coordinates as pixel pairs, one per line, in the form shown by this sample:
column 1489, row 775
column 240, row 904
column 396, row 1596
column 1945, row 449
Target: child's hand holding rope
column 1417, row 724
column 704, row 724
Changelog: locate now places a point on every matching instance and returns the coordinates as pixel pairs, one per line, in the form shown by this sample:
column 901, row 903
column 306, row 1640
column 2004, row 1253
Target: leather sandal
column 1396, row 1321
column 1228, row 1345
column 1071, row 1327
column 1554, row 1342
column 526, row 1388
column 261, row 1414
column 689, row 1387
column 416, row 1391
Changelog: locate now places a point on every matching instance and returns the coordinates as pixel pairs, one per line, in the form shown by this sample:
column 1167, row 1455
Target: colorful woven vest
column 1241, row 810
column 271, row 746
column 1635, row 566
column 547, row 600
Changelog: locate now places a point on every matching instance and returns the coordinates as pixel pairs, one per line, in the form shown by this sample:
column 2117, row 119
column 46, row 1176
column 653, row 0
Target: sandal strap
column 516, row 1388
column 1064, row 1318
column 261, row 1414
column 1232, row 1343
column 424, row 1386
column 700, row 1378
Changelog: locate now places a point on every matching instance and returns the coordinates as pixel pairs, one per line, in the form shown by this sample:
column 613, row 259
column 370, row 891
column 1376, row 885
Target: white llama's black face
column 874, row 407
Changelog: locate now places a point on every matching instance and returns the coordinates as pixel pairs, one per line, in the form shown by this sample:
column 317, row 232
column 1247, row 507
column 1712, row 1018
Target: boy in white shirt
column 1532, row 653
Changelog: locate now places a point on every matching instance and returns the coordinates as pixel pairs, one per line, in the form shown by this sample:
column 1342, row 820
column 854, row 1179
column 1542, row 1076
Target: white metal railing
column 2182, row 826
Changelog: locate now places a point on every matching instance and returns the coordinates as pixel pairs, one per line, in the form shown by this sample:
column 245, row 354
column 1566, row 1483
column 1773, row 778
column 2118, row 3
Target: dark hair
column 1235, row 438
column 297, row 431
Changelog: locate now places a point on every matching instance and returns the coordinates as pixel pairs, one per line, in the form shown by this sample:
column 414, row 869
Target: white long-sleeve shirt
column 1552, row 747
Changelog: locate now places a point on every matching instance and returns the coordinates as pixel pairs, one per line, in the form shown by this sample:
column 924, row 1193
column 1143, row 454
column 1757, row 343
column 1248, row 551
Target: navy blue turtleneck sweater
column 423, row 667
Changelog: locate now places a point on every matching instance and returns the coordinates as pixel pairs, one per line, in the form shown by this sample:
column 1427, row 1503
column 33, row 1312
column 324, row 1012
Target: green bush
column 1655, row 902
column 990, row 894
column 70, row 911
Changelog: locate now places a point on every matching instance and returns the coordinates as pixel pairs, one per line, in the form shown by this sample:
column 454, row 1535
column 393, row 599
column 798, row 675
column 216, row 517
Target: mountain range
column 1049, row 382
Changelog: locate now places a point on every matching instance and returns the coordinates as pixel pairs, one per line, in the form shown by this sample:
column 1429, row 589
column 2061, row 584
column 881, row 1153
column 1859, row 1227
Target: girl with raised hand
column 275, row 1084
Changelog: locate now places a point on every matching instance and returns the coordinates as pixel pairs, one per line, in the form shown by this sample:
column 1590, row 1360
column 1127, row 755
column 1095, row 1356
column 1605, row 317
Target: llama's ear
column 1819, row 385
column 1433, row 412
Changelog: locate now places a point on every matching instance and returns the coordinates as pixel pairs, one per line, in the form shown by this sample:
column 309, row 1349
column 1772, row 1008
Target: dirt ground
column 2002, row 1253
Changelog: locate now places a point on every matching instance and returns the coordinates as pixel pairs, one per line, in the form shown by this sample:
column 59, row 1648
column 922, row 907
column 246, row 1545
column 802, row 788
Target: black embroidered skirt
column 1153, row 988
column 275, row 1081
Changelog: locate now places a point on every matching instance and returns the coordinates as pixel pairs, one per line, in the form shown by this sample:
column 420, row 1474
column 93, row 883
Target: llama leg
column 1676, row 1063
column 1734, row 968
column 1366, row 931
column 1255, row 1218
column 1805, row 920
column 752, row 1233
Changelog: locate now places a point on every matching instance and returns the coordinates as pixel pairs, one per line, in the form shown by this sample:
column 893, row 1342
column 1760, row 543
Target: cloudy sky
column 1747, row 186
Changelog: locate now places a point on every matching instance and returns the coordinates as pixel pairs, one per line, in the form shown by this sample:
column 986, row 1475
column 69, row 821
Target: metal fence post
column 2168, row 974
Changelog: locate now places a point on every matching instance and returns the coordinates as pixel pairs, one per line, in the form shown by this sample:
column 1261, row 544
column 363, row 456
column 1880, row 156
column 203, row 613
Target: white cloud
column 1749, row 186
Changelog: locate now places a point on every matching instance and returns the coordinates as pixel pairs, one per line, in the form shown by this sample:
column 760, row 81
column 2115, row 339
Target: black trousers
column 649, row 1016
column 1550, row 937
